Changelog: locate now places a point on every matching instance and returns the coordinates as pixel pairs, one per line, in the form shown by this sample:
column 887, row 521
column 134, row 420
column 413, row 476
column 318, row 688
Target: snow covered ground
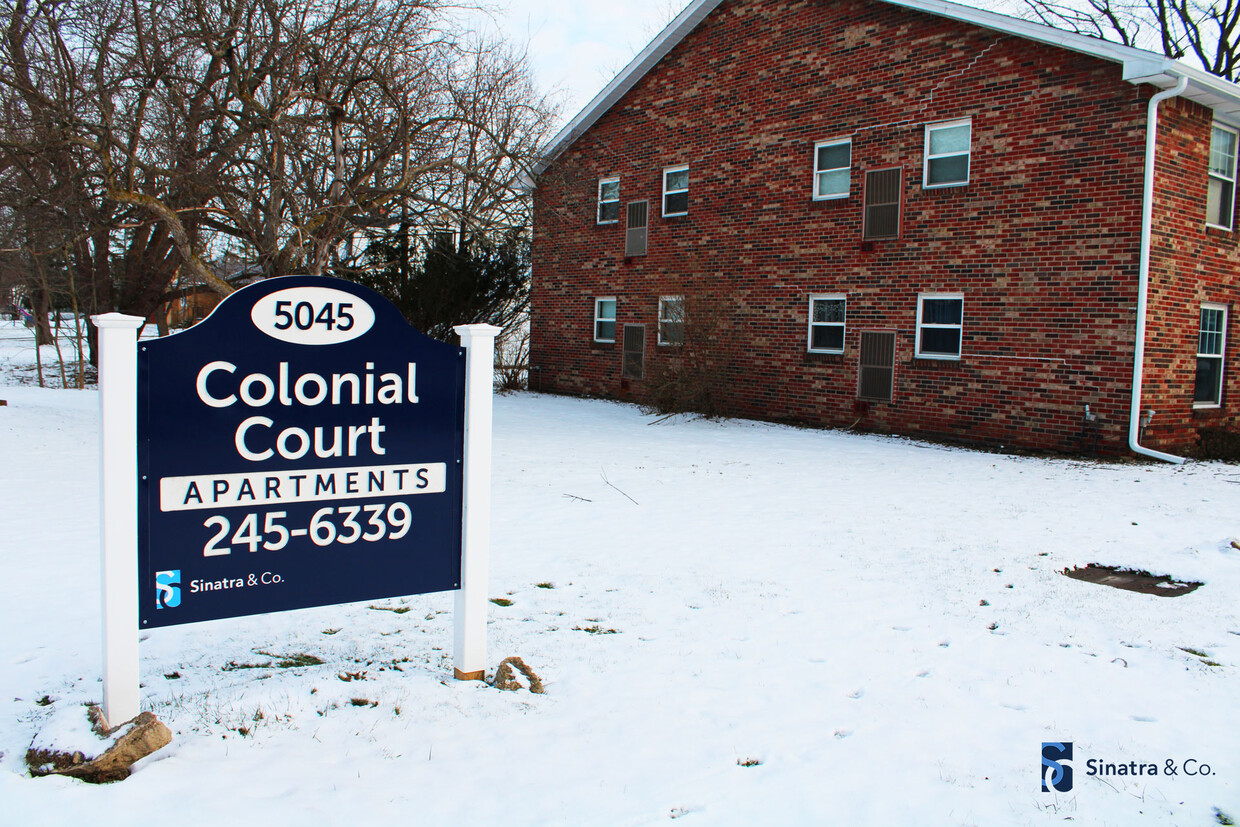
column 737, row 623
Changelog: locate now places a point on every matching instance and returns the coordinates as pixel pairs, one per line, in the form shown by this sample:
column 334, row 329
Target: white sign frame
column 118, row 509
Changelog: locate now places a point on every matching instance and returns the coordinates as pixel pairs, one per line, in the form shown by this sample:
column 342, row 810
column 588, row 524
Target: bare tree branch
column 149, row 138
column 1205, row 33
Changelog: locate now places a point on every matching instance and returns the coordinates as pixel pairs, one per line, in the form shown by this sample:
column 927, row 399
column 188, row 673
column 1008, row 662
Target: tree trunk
column 41, row 306
column 92, row 341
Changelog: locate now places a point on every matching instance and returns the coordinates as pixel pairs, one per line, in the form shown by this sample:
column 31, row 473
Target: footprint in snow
column 1145, row 719
column 856, row 693
column 925, row 673
column 843, row 733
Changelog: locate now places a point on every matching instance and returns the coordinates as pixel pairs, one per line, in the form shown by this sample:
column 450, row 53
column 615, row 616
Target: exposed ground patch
column 1162, row 585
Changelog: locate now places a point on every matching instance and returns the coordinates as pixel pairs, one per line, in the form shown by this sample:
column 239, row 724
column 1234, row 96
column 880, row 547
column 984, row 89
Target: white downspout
column 1143, row 280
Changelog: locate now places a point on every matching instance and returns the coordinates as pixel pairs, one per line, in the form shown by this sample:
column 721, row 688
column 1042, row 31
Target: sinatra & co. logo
column 1055, row 758
column 168, row 589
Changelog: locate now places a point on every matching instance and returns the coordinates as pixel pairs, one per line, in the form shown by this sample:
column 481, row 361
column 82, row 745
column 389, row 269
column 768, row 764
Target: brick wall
column 1190, row 264
column 1042, row 242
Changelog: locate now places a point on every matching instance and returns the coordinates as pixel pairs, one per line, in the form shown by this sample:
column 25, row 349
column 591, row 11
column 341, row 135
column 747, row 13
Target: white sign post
column 470, row 614
column 118, row 512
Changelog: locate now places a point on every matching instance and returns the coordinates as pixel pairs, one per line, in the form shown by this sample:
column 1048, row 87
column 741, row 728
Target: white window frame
column 818, row 196
column 968, row 154
column 666, row 192
column 664, row 301
column 1221, row 356
column 599, row 212
column 843, row 326
column 921, row 299
column 598, row 317
column 1227, row 182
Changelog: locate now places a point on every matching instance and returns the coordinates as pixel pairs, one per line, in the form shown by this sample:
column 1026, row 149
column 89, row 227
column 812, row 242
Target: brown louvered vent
column 882, row 204
column 634, row 364
column 635, row 228
column 878, row 356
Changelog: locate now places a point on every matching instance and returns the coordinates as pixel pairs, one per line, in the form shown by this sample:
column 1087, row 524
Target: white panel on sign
column 312, row 316
column 262, row 488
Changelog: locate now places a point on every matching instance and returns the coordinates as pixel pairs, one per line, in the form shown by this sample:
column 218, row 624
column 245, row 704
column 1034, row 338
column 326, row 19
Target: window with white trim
column 826, row 323
column 608, row 200
column 671, row 320
column 1211, row 343
column 605, row 319
column 1221, row 186
column 832, row 169
column 676, row 190
column 947, row 154
column 940, row 325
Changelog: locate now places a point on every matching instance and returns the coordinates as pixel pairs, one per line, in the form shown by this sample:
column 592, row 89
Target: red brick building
column 903, row 215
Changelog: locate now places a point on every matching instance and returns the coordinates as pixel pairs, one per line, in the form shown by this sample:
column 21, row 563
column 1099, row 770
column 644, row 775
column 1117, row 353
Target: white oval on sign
column 312, row 315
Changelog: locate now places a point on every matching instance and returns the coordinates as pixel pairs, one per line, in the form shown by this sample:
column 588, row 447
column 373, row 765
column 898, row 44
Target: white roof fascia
column 1027, row 29
column 1139, row 66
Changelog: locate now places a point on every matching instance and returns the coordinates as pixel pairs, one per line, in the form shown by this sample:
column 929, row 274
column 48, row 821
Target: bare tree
column 1203, row 33
column 143, row 139
column 100, row 150
column 501, row 133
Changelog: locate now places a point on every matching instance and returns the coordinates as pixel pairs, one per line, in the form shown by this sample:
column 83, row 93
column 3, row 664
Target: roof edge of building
column 1138, row 66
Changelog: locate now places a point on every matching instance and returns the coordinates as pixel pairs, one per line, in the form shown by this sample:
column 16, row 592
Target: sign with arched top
column 302, row 446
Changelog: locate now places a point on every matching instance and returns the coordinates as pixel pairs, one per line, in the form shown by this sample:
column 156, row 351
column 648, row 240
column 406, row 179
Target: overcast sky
column 576, row 46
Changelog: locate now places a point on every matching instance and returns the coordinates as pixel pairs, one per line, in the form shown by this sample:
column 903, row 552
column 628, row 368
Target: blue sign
column 302, row 446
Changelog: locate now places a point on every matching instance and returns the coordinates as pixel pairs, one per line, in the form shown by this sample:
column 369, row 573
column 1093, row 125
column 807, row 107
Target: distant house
column 192, row 300
column 11, row 299
column 904, row 215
